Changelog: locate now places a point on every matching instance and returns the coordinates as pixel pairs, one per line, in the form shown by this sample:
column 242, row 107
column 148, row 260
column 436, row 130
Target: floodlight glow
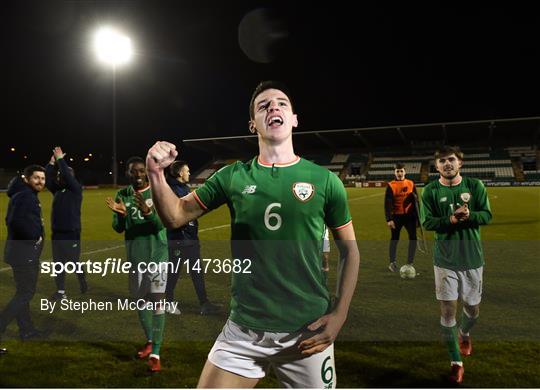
column 12, row 149
column 86, row 159
column 112, row 47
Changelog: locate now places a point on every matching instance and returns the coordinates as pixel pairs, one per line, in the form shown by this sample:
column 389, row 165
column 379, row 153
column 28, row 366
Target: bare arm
column 348, row 275
column 173, row 211
column 348, row 269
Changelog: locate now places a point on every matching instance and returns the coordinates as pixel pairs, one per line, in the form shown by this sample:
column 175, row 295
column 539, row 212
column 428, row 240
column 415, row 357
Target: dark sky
column 347, row 67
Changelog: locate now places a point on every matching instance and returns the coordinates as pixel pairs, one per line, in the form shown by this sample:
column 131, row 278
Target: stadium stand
column 494, row 150
column 532, row 175
column 335, row 162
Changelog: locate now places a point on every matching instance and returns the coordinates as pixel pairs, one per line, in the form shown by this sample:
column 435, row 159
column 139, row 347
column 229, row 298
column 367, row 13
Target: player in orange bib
column 400, row 204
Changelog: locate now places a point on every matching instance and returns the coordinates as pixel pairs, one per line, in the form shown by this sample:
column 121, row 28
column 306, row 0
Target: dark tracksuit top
column 189, row 233
column 66, row 207
column 24, row 225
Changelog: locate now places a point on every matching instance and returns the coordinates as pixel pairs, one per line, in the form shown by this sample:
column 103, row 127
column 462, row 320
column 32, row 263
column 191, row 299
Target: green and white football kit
column 146, row 241
column 458, row 249
column 458, row 256
column 278, row 216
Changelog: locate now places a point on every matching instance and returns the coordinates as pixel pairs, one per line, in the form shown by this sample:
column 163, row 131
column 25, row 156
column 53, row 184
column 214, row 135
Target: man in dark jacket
column 23, row 247
column 65, row 218
column 184, row 244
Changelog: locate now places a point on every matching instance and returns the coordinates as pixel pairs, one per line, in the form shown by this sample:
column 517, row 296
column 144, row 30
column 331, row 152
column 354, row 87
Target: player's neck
column 142, row 188
column 276, row 153
column 451, row 182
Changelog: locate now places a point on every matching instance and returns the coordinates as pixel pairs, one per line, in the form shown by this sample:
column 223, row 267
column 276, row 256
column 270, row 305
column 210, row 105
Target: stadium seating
column 382, row 168
column 532, row 175
column 499, row 165
column 335, row 163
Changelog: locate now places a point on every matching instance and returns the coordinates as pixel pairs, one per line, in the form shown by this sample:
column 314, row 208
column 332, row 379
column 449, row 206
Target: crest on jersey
column 466, row 197
column 149, row 202
column 303, row 191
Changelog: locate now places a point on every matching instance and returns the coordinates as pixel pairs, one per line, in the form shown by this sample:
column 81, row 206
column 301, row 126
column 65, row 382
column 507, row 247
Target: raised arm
column 173, row 211
column 65, row 172
column 50, row 174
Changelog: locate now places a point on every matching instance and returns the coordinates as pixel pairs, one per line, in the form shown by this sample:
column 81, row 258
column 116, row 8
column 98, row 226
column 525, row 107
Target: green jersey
column 146, row 237
column 278, row 213
column 457, row 246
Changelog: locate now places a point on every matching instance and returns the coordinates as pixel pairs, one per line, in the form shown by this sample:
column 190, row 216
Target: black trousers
column 66, row 247
column 179, row 254
column 25, row 277
column 409, row 222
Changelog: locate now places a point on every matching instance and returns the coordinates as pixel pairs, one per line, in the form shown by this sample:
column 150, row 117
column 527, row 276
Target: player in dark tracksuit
column 184, row 244
column 400, row 208
column 65, row 218
column 23, row 247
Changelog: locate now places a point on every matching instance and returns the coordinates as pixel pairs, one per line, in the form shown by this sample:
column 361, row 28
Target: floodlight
column 112, row 47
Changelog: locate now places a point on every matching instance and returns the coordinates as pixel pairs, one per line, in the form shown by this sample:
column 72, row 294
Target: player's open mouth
column 275, row 121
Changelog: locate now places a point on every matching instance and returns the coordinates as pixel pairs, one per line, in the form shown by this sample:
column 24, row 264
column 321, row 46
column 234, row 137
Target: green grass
column 391, row 338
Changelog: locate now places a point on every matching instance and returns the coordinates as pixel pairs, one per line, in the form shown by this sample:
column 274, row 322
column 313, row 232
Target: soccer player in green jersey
column 146, row 241
column 454, row 207
column 280, row 316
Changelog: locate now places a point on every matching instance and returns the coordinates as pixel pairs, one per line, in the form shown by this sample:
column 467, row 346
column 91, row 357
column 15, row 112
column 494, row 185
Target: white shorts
column 451, row 285
column 142, row 284
column 251, row 354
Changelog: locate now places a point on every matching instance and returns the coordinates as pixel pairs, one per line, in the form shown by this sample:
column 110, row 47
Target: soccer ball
column 407, row 272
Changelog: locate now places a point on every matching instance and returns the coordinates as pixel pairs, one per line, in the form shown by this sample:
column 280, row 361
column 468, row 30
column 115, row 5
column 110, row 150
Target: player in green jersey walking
column 281, row 316
column 455, row 207
column 146, row 241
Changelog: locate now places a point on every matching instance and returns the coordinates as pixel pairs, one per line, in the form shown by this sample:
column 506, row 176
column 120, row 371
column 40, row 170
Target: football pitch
column 391, row 337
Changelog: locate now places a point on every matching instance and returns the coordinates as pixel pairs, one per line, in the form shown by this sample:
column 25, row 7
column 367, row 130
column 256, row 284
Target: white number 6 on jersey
column 276, row 216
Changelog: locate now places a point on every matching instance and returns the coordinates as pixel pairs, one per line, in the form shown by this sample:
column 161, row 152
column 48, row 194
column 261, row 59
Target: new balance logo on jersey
column 250, row 189
column 303, row 191
column 443, row 199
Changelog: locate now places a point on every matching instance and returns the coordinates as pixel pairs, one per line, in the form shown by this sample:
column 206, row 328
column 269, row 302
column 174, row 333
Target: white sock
column 448, row 324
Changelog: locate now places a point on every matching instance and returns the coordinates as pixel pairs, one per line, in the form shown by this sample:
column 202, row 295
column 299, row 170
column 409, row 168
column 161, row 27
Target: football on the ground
column 407, row 272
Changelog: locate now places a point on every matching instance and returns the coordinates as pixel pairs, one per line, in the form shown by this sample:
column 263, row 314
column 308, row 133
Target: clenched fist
column 160, row 156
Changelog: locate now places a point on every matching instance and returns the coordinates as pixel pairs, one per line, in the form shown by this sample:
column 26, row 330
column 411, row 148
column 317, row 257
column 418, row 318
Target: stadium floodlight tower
column 114, row 49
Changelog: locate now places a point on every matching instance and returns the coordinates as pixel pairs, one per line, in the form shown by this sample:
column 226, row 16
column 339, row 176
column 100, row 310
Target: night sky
column 197, row 63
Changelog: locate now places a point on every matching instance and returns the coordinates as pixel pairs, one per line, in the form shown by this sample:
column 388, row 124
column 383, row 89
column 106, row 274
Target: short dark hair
column 399, row 165
column 263, row 86
column 447, row 150
column 30, row 169
column 133, row 160
column 176, row 167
